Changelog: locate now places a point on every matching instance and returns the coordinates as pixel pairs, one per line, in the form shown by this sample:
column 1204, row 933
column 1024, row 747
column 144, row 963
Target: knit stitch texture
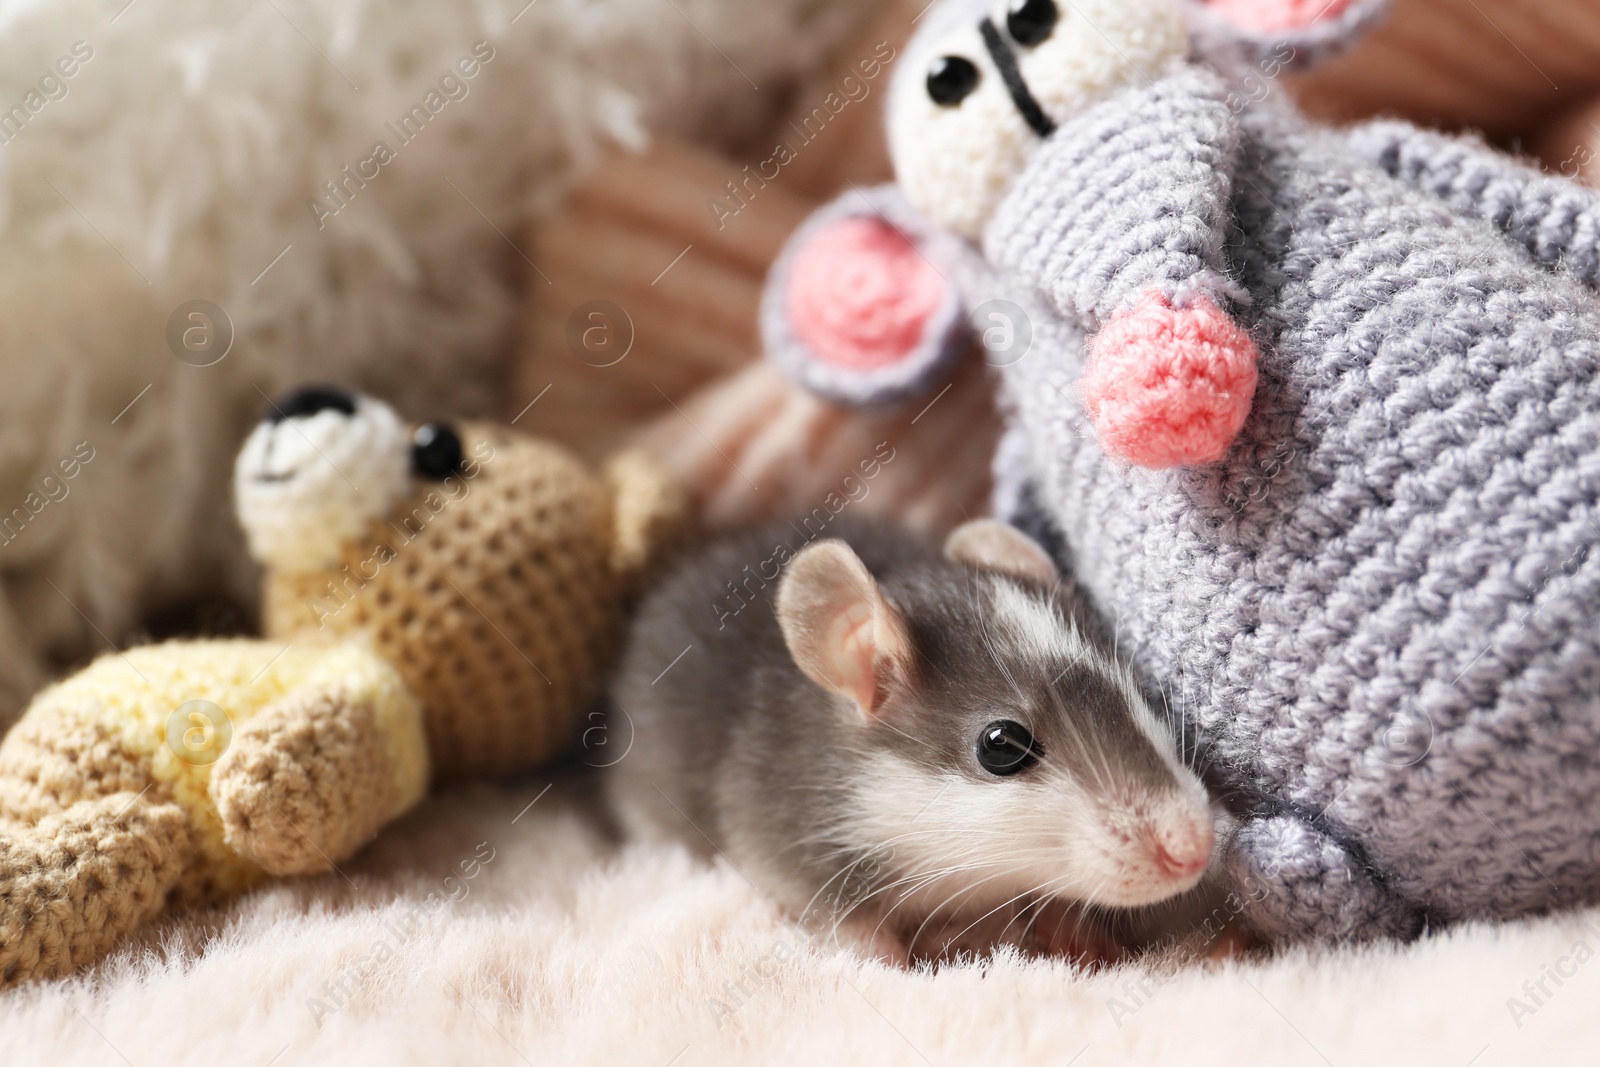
column 1376, row 613
column 499, row 609
column 462, row 635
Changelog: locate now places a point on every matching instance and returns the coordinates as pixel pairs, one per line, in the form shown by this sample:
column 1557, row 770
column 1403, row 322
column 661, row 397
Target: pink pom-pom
column 1169, row 386
column 1271, row 16
column 860, row 296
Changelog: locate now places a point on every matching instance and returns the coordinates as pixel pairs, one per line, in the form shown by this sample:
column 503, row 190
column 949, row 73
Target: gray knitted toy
column 1313, row 414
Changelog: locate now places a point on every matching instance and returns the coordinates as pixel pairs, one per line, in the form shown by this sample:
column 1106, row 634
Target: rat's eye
column 1006, row 747
column 951, row 80
column 435, row 452
column 1032, row 21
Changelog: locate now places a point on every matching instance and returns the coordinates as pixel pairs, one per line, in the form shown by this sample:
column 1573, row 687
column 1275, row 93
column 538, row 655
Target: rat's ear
column 860, row 307
column 839, row 628
column 1274, row 35
column 989, row 545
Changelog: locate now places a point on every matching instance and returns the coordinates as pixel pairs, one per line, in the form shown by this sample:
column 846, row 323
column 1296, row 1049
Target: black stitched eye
column 309, row 400
column 1006, row 747
column 1032, row 21
column 951, row 80
column 435, row 452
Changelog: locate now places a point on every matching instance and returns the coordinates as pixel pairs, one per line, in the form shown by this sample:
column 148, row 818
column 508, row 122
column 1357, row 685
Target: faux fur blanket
column 203, row 203
column 502, row 926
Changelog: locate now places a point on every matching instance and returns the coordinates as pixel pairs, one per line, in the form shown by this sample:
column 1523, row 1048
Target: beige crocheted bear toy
column 439, row 604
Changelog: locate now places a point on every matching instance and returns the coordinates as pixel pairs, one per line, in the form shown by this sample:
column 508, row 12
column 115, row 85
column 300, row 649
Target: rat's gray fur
column 736, row 753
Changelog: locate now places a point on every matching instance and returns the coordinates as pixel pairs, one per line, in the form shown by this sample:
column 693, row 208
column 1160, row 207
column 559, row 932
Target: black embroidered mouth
column 1006, row 61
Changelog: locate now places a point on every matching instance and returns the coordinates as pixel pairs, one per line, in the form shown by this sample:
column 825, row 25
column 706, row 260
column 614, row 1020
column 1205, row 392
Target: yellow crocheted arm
column 320, row 771
column 110, row 786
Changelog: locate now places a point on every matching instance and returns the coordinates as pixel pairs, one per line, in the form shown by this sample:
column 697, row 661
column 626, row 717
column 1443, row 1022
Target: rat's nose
column 1182, row 854
column 1180, row 866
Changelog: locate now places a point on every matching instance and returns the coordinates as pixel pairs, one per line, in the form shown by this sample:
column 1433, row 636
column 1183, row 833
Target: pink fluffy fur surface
column 499, row 925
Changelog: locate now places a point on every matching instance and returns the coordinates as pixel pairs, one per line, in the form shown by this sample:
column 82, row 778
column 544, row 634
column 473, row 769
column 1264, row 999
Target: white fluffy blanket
column 544, row 943
column 158, row 152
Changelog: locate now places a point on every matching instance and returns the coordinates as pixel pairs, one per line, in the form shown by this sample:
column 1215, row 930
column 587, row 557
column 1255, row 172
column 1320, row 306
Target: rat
column 906, row 747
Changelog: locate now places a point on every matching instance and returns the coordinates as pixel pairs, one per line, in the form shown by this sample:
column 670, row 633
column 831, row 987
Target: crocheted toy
column 439, row 604
column 1314, row 415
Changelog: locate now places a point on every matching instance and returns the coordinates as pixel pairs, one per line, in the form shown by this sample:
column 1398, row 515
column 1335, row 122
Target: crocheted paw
column 1299, row 884
column 77, row 881
column 1169, row 386
column 305, row 783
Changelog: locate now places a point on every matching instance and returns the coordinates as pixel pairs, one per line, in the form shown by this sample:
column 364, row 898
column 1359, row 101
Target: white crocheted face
column 323, row 465
column 984, row 85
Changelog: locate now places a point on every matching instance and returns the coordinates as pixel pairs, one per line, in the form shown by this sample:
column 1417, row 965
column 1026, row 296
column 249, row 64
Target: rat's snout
column 1157, row 853
column 1181, row 853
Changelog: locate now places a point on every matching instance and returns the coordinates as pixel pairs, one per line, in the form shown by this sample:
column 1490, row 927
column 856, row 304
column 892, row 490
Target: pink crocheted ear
column 1272, row 16
column 1274, row 35
column 857, row 307
column 861, row 296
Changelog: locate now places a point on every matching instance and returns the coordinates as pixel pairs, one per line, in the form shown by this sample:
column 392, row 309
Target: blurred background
column 542, row 210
